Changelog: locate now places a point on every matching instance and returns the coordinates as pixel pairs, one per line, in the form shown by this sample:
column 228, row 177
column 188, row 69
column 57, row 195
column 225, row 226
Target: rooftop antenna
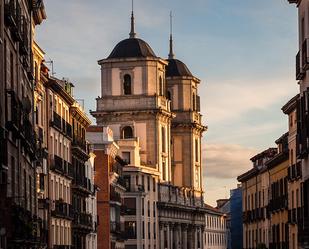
column 171, row 54
column 51, row 62
column 132, row 32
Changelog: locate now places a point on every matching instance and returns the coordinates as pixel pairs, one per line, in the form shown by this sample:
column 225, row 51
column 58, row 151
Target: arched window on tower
column 169, row 95
column 194, row 102
column 161, row 87
column 127, row 132
column 127, row 88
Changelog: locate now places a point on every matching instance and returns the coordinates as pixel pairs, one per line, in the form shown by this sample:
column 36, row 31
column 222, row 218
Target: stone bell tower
column 133, row 103
column 187, row 128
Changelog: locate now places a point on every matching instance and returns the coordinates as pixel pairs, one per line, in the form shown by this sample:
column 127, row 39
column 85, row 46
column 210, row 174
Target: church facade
column 152, row 106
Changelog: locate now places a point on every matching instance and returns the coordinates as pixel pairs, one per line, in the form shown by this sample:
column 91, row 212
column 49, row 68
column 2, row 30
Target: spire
column 132, row 32
column 171, row 54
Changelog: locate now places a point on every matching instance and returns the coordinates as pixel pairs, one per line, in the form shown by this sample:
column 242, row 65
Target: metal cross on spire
column 132, row 32
column 171, row 53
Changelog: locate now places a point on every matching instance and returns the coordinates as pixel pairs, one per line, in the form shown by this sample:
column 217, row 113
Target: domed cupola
column 132, row 47
column 177, row 68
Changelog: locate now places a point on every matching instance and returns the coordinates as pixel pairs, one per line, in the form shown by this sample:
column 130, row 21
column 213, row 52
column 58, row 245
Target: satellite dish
column 26, row 105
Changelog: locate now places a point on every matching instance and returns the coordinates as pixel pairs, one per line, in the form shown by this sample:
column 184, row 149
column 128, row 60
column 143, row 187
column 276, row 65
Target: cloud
column 226, row 161
column 230, row 99
column 222, row 163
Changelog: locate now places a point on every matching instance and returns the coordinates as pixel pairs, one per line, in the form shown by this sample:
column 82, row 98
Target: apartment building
column 60, row 99
column 19, row 225
column 302, row 151
column 82, row 187
column 215, row 230
column 277, row 168
column 255, row 196
column 41, row 128
column 294, row 174
column 111, row 185
column 91, row 202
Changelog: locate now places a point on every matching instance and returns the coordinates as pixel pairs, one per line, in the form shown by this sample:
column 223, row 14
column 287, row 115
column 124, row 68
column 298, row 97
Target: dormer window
column 127, row 132
column 127, row 85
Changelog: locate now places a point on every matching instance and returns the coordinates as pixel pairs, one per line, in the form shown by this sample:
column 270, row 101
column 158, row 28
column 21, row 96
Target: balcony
column 3, row 149
column 304, row 55
column 278, row 203
column 40, row 134
column 83, row 220
column 24, row 44
column 300, row 74
column 68, row 130
column 79, row 143
column 114, row 195
column 115, row 227
column 82, row 184
column 10, row 13
column 14, row 121
column 56, row 123
column 61, row 166
column 63, row 210
column 24, row 224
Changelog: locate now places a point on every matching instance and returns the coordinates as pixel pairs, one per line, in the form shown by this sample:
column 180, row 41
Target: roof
column 177, row 68
column 131, row 48
column 290, row 105
column 248, row 175
column 270, row 152
column 213, row 209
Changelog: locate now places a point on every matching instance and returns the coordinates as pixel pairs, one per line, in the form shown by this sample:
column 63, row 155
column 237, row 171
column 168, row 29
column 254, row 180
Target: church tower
column 187, row 128
column 134, row 104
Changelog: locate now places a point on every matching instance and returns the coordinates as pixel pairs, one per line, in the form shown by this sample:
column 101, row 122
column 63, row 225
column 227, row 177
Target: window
column 130, row 203
column 143, row 208
column 153, row 184
column 42, row 182
column 12, row 71
column 196, row 151
column 161, row 87
column 126, row 157
column 130, row 227
column 169, row 95
column 148, row 183
column 163, row 139
column 127, row 132
column 127, row 85
column 194, row 102
column 164, row 170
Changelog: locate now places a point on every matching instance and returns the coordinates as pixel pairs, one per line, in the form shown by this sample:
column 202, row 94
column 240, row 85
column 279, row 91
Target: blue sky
column 243, row 51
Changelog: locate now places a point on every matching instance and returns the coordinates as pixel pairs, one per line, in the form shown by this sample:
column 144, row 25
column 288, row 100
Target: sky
column 243, row 52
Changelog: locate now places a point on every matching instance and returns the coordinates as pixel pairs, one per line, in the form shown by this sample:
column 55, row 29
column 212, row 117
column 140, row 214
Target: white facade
column 215, row 234
column 91, row 205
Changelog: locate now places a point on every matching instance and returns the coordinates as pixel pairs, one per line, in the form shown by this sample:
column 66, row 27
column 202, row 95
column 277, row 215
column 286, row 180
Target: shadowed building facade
column 302, row 141
column 19, row 223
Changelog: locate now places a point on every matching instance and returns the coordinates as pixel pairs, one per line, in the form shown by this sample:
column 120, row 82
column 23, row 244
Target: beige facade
column 294, row 174
column 302, row 144
column 255, row 188
column 215, row 235
column 59, row 97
